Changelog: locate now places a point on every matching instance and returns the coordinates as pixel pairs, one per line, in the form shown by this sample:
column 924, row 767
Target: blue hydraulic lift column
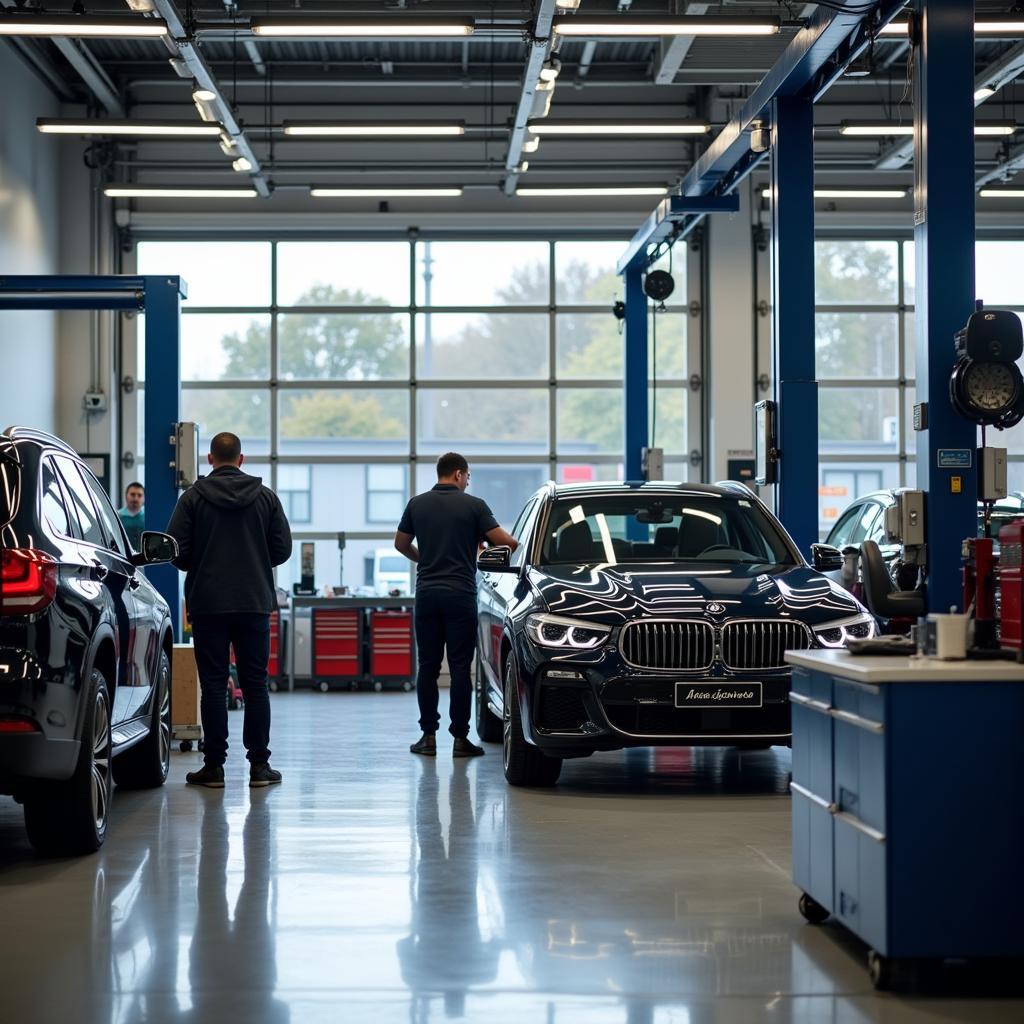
column 635, row 368
column 945, row 292
column 792, row 264
column 163, row 410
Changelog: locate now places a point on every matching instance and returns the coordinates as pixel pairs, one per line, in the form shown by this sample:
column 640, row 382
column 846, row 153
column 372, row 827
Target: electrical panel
column 991, row 474
column 186, row 454
column 654, row 463
column 904, row 521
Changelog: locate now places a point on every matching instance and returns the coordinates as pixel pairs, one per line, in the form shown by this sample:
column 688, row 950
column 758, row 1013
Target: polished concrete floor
column 647, row 888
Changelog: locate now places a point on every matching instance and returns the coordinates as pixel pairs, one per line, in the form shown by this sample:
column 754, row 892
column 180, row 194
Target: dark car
column 647, row 614
column 85, row 647
column 864, row 519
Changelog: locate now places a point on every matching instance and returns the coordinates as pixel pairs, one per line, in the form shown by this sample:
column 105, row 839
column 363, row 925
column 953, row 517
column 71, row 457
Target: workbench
column 354, row 634
column 908, row 804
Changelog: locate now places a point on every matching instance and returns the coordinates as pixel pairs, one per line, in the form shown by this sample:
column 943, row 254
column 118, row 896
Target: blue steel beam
column 34, row 291
column 792, row 266
column 664, row 222
column 944, row 250
column 635, row 371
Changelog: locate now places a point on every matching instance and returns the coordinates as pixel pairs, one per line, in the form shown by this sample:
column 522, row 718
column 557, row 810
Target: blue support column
column 635, row 367
column 163, row 410
column 792, row 263
column 944, row 235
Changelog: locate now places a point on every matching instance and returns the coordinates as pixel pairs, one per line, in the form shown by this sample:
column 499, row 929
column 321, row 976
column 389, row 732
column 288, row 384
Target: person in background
column 447, row 525
column 231, row 532
column 133, row 515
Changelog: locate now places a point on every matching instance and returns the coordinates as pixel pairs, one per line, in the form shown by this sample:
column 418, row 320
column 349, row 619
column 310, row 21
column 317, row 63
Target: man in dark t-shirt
column 447, row 525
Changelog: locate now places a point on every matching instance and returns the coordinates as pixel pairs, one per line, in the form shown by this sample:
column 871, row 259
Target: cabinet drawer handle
column 814, row 705
column 856, row 720
column 853, row 822
column 813, row 797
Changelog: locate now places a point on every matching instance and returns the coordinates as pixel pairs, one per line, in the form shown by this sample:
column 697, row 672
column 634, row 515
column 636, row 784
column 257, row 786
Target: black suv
column 647, row 614
column 85, row 647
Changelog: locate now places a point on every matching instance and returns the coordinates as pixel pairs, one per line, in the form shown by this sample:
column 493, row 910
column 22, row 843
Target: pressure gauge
column 991, row 394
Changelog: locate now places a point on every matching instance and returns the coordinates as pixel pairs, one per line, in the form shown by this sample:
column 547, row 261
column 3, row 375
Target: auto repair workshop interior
column 718, row 307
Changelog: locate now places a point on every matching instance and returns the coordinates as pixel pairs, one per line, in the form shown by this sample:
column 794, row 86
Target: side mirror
column 156, row 547
column 826, row 558
column 496, row 559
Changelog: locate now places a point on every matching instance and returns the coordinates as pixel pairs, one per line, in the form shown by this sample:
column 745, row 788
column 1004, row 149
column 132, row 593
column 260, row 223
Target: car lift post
column 160, row 299
column 945, row 287
column 635, row 372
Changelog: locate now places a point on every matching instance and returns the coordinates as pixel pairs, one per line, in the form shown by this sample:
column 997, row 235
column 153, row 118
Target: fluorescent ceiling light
column 241, row 164
column 74, row 126
column 531, row 145
column 567, row 5
column 851, row 193
column 374, row 28
column 384, row 192
column 1002, row 193
column 203, row 95
column 163, row 192
column 874, row 129
column 984, row 25
column 984, row 93
column 684, row 25
column 366, row 129
column 625, row 190
column 83, row 26
column 621, row 128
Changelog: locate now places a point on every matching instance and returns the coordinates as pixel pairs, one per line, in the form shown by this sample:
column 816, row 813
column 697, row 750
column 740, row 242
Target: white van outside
column 387, row 570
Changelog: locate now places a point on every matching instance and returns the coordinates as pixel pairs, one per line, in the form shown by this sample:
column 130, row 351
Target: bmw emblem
column 715, row 608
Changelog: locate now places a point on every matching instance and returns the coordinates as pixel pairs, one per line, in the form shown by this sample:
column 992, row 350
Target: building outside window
column 385, row 493
column 295, row 489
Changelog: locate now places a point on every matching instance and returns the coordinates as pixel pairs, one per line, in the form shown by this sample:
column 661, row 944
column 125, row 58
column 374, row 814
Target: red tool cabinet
column 337, row 643
column 391, row 645
column 274, row 663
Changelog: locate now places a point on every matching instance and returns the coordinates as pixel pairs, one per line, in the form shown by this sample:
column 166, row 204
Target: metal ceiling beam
column 1004, row 170
column 673, row 51
column 997, row 75
column 78, row 55
column 540, row 47
column 255, row 58
column 180, row 40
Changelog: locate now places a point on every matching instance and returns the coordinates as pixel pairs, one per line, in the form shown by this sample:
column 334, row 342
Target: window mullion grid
column 552, row 364
column 275, row 373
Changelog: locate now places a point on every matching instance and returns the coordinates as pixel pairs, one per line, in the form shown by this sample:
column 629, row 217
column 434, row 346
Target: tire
column 488, row 724
column 525, row 765
column 881, row 971
column 147, row 764
column 811, row 910
column 69, row 818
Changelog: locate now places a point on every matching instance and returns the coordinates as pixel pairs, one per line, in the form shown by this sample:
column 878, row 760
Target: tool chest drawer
column 337, row 642
column 274, row 662
column 391, row 644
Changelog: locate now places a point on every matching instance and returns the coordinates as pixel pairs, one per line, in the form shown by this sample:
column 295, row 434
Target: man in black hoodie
column 231, row 532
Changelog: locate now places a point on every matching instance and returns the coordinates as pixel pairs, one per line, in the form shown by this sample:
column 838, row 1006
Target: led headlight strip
column 836, row 634
column 564, row 633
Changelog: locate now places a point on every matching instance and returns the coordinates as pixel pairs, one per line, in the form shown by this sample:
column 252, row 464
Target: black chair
column 576, row 543
column 880, row 594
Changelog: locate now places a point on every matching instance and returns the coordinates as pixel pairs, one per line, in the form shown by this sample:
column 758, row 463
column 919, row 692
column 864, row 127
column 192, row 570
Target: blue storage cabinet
column 908, row 804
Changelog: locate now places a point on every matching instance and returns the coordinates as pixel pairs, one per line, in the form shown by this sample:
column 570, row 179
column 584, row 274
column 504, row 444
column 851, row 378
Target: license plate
column 719, row 695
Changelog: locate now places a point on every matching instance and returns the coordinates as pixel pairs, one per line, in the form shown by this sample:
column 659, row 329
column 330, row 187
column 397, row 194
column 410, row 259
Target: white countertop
column 876, row 669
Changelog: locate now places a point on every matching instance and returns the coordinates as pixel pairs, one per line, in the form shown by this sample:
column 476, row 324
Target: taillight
column 28, row 580
column 17, row 725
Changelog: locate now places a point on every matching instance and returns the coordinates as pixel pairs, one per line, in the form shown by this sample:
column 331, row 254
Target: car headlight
column 836, row 634
column 573, row 634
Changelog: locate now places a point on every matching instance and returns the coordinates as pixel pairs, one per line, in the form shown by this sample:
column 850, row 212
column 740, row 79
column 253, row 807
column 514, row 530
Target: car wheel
column 147, row 764
column 488, row 724
column 525, row 765
column 67, row 818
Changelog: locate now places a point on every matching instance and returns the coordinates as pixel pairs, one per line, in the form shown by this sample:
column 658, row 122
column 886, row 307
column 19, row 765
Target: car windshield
column 701, row 528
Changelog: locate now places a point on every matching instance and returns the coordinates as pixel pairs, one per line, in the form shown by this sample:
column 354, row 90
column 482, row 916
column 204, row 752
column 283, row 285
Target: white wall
column 28, row 244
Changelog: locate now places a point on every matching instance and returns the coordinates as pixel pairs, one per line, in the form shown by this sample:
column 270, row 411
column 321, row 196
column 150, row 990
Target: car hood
column 614, row 594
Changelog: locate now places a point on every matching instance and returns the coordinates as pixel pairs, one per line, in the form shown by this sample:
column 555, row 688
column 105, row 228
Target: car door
column 142, row 601
column 109, row 569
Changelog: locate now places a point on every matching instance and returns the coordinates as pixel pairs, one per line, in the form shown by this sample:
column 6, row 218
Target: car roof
column 659, row 487
column 21, row 435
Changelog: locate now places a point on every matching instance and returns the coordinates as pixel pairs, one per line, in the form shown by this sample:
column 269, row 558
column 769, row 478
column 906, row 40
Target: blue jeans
column 214, row 636
column 445, row 619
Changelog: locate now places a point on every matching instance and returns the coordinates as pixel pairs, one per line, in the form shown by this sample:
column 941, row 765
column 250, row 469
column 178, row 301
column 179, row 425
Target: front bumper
column 579, row 703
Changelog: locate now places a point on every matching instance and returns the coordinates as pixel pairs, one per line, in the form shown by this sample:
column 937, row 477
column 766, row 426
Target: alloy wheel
column 164, row 723
column 506, row 723
column 100, row 774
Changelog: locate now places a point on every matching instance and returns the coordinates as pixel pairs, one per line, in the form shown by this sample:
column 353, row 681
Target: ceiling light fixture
column 984, row 93
column 568, row 5
column 1002, row 193
column 80, row 26
column 683, row 25
column 851, row 193
column 167, row 192
column 532, row 143
column 984, row 25
column 874, row 129
column 551, row 70
column 201, row 95
column 383, row 192
column 363, row 28
column 73, row 126
column 625, row 190
column 241, row 164
column 366, row 129
column 621, row 128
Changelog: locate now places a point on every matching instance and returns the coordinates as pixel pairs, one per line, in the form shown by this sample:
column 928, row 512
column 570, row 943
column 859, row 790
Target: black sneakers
column 425, row 745
column 263, row 775
column 210, row 775
column 464, row 748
